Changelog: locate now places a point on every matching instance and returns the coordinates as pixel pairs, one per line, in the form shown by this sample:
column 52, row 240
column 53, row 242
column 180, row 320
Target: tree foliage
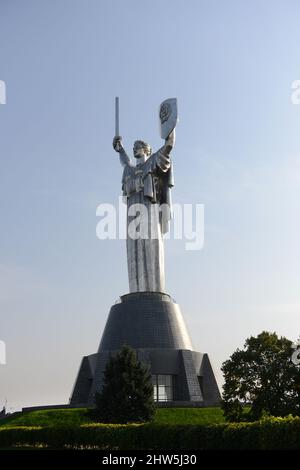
column 263, row 376
column 127, row 394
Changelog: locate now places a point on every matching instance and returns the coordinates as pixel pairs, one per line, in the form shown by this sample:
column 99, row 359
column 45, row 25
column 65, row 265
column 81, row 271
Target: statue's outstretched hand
column 117, row 144
column 163, row 161
column 170, row 140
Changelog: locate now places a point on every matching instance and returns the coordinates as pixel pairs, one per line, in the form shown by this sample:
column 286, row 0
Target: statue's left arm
column 163, row 154
column 159, row 164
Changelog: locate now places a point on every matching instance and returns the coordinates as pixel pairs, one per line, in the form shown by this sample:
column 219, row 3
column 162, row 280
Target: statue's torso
column 147, row 184
column 133, row 180
column 143, row 178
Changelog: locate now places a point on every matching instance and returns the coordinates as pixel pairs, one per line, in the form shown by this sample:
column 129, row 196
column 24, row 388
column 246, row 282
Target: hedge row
column 271, row 433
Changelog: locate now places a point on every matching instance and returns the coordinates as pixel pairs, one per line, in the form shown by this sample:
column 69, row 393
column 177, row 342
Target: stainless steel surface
column 117, row 130
column 147, row 185
column 168, row 116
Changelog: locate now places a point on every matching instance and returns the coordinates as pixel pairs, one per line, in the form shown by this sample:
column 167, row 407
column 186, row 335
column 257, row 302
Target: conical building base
column 153, row 325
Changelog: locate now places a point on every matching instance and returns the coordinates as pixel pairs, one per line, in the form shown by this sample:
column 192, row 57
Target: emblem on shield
column 168, row 117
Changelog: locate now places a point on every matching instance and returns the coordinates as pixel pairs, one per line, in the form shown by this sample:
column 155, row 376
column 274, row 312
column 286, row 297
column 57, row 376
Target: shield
column 168, row 117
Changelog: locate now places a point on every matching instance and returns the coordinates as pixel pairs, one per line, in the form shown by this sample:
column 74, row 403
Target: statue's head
column 141, row 149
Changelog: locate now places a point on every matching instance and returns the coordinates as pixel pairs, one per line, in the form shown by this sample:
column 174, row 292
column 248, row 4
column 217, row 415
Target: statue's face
column 139, row 150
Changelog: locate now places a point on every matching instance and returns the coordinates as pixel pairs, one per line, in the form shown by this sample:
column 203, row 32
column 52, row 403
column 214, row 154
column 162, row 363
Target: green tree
column 263, row 376
column 127, row 394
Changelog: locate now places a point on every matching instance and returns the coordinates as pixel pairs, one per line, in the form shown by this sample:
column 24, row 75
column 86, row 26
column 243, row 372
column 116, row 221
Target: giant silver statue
column 146, row 189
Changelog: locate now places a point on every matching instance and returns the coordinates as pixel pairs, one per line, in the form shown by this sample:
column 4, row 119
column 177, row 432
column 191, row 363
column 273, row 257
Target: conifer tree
column 127, row 394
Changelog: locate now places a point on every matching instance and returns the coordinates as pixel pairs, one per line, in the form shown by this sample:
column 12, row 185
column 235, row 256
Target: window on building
column 162, row 387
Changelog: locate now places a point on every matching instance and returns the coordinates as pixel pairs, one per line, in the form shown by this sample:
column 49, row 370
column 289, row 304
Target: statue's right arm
column 124, row 159
column 117, row 145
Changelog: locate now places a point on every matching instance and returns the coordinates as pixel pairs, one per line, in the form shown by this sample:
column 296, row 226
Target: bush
column 269, row 433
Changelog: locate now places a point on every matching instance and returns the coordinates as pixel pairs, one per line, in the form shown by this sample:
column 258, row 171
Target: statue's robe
column 148, row 184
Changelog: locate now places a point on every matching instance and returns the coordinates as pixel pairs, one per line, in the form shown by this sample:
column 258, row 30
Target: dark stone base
column 153, row 325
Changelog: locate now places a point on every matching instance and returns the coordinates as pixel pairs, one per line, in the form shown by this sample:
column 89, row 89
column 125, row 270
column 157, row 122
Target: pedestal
column 152, row 324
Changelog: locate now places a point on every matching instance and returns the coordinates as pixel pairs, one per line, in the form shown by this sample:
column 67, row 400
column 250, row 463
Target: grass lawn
column 189, row 416
column 55, row 417
column 77, row 416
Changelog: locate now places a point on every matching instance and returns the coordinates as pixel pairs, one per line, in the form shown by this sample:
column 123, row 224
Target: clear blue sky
column 231, row 65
